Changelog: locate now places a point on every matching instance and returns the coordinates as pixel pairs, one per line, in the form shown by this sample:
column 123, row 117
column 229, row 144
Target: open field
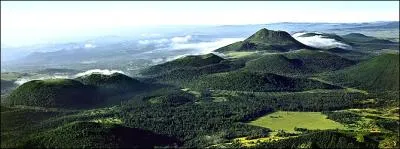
column 382, row 113
column 239, row 54
column 287, row 121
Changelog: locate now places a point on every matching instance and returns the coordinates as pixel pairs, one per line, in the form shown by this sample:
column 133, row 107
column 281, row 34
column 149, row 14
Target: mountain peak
column 264, row 40
column 268, row 36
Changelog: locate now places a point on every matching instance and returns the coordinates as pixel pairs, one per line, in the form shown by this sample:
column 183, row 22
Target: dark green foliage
column 339, row 50
column 301, row 129
column 185, row 75
column 305, row 101
column 185, row 62
column 298, row 63
column 377, row 74
column 174, row 99
column 266, row 40
column 231, row 92
column 198, row 124
column 389, row 124
column 282, row 133
column 343, row 117
column 18, row 124
column 4, row 108
column 259, row 133
column 64, row 93
column 322, row 139
column 115, row 83
column 95, row 135
column 250, row 81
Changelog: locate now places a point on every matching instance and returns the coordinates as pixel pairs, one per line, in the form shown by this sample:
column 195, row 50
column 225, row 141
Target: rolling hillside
column 113, row 84
column 185, row 62
column 97, row 135
column 363, row 42
column 377, row 74
column 64, row 93
column 250, row 81
column 303, row 62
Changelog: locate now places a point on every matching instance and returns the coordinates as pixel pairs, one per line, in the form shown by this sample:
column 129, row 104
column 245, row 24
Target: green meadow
column 287, row 121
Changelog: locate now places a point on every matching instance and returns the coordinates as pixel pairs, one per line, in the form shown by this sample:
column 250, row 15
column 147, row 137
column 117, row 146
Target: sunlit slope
column 297, row 63
column 377, row 74
column 251, row 81
column 185, row 62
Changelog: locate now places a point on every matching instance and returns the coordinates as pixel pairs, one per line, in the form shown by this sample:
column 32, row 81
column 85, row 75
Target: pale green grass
column 219, row 99
column 287, row 121
column 347, row 89
column 110, row 120
column 195, row 93
column 382, row 113
column 239, row 54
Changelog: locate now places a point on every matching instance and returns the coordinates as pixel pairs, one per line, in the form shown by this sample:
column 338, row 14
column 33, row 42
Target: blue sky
column 25, row 20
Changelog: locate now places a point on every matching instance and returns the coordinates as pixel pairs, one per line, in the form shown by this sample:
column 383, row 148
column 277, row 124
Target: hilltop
column 112, row 84
column 97, row 135
column 185, row 62
column 63, row 93
column 266, row 40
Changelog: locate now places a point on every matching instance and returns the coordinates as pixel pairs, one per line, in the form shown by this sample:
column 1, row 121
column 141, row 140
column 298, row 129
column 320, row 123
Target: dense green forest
column 53, row 93
column 213, row 100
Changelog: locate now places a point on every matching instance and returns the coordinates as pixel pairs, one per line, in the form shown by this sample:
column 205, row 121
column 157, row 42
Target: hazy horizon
column 28, row 23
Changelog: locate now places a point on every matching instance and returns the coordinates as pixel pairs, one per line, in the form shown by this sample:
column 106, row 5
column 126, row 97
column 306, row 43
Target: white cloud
column 88, row 46
column 206, row 47
column 181, row 39
column 92, row 71
column 178, row 39
column 155, row 41
column 157, row 60
column 183, row 43
column 176, row 57
column 320, row 41
column 98, row 71
column 24, row 80
column 150, row 35
column 88, row 62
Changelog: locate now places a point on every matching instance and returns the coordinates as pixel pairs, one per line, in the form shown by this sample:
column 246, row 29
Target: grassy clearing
column 110, row 120
column 244, row 141
column 382, row 113
column 239, row 54
column 219, row 99
column 347, row 89
column 287, row 121
column 99, row 111
column 251, row 142
column 195, row 93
